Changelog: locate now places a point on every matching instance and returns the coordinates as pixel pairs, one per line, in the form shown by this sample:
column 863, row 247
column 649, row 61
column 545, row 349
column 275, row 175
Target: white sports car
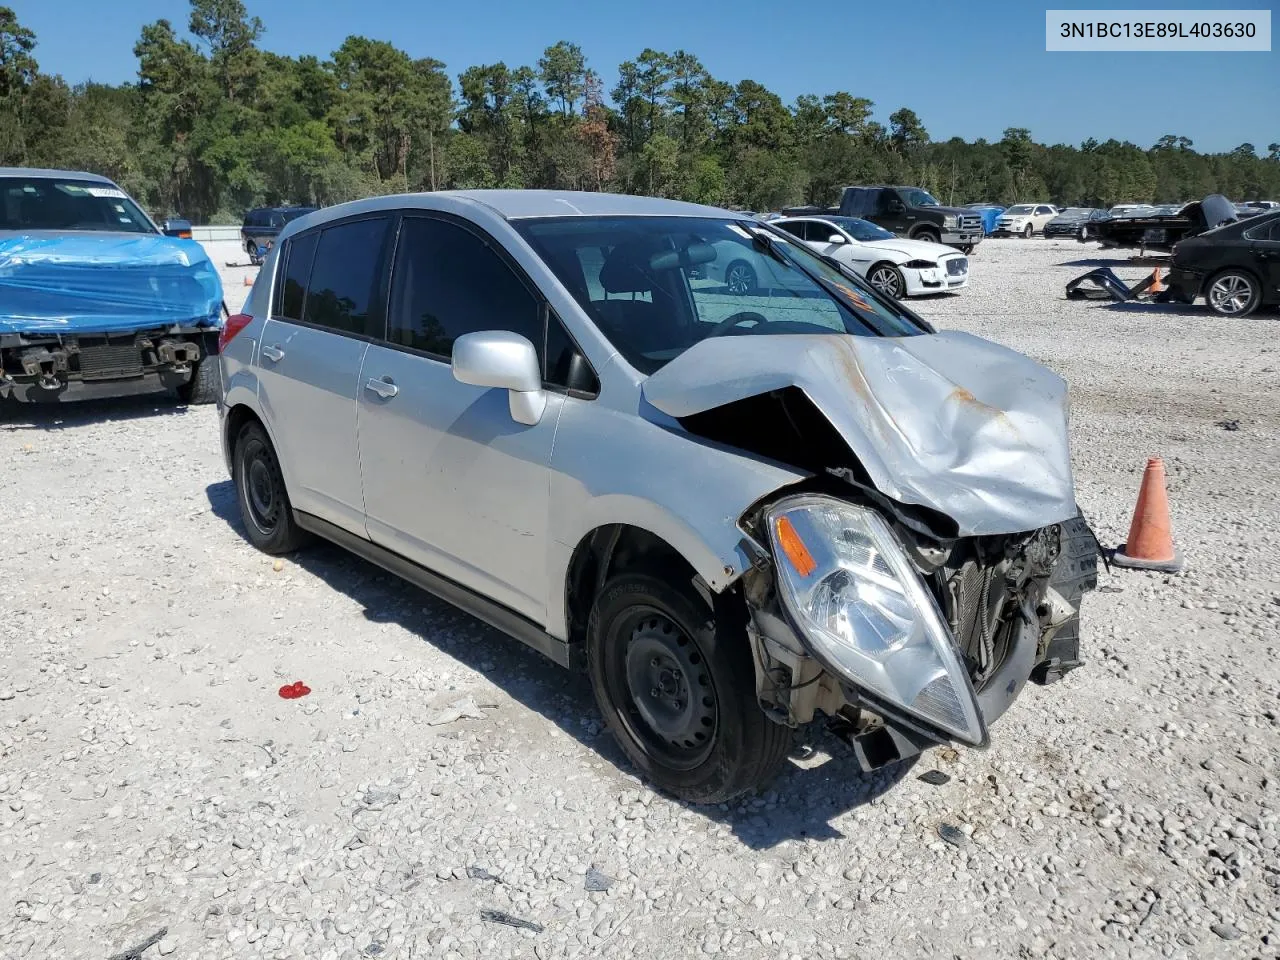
column 891, row 264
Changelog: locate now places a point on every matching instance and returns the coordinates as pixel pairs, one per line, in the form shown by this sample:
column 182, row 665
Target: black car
column 1236, row 268
column 263, row 225
column 1076, row 222
column 1159, row 228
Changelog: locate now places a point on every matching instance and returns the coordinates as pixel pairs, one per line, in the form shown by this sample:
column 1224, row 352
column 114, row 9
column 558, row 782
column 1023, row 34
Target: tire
column 1233, row 293
column 205, row 385
column 265, row 509
column 928, row 236
column 967, row 249
column 697, row 731
column 1028, row 231
column 888, row 279
column 1085, row 236
column 740, row 277
column 1073, row 575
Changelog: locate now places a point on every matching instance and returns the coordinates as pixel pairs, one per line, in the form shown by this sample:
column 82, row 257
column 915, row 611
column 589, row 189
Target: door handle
column 272, row 352
column 383, row 388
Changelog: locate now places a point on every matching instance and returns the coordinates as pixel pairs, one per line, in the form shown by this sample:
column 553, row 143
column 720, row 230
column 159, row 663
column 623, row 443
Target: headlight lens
column 950, row 221
column 921, row 264
column 865, row 614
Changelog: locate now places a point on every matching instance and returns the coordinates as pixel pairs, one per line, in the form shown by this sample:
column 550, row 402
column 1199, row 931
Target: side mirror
column 835, row 238
column 507, row 361
column 176, row 228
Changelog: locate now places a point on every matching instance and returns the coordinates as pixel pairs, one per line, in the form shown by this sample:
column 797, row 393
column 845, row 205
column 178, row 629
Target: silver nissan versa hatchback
column 735, row 511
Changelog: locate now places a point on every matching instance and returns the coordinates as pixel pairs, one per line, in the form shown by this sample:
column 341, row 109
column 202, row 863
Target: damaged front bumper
column 40, row 368
column 848, row 626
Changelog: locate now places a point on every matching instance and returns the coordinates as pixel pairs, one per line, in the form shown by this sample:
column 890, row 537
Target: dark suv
column 910, row 212
column 263, row 225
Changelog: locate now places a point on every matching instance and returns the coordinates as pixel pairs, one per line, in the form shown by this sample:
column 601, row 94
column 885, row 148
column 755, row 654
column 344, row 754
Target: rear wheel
column 1233, row 293
column 677, row 690
column 264, row 502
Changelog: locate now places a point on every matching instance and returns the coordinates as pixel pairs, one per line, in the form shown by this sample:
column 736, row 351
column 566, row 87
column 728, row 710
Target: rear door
column 451, row 481
column 1264, row 243
column 330, row 304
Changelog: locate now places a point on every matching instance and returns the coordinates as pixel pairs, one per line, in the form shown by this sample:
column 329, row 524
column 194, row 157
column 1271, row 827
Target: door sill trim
column 482, row 608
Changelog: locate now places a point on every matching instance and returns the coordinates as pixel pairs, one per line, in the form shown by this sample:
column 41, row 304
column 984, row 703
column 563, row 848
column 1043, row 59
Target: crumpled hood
column 948, row 421
column 912, row 249
column 54, row 282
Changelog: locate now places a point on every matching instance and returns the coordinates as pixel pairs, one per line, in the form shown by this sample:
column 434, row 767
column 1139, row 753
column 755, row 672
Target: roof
column 39, row 174
column 518, row 205
column 522, row 204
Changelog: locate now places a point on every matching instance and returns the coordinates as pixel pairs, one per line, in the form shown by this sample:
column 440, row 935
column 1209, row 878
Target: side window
column 565, row 366
column 448, row 282
column 883, row 199
column 1041, row 211
column 344, row 292
column 795, row 229
column 857, row 206
column 297, row 268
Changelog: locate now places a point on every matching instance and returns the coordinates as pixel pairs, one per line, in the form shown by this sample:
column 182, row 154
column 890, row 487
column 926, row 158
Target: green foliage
column 216, row 125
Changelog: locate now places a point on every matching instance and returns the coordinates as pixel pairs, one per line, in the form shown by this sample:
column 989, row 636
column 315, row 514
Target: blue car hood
column 97, row 283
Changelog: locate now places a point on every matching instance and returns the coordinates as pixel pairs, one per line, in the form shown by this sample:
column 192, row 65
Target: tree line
column 216, row 125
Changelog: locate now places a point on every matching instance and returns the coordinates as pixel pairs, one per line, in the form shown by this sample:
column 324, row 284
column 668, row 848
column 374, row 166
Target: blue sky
column 968, row 69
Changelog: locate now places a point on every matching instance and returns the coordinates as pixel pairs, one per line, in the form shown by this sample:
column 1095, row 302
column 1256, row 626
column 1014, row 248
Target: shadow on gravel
column 799, row 804
column 77, row 413
column 1169, row 309
column 1099, row 262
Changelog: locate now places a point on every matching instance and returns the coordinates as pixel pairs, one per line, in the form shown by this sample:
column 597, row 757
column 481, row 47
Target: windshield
column 860, row 229
column 1021, row 209
column 918, row 198
column 655, row 286
column 39, row 203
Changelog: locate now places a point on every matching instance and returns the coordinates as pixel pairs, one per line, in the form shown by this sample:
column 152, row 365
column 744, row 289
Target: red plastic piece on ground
column 292, row 691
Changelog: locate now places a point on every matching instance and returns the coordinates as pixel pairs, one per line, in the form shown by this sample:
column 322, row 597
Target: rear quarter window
column 297, row 271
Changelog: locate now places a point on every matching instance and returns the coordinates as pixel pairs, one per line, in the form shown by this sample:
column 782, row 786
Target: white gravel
column 151, row 779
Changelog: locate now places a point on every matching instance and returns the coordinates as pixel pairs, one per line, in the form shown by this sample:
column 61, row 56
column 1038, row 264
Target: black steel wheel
column 678, row 691
column 264, row 502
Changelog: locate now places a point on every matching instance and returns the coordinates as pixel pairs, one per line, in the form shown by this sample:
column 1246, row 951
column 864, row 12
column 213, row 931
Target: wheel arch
column 1214, row 275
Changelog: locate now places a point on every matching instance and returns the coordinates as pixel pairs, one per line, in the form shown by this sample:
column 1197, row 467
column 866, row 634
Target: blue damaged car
column 95, row 299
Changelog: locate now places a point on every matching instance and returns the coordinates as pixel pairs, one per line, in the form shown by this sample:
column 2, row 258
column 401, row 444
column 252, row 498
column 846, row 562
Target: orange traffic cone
column 1150, row 544
column 1156, row 285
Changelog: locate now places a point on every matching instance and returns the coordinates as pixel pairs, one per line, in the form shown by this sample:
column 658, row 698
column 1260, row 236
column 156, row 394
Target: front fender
column 611, row 467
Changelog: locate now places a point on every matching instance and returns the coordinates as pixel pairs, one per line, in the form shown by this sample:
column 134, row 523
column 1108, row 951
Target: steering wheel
column 728, row 323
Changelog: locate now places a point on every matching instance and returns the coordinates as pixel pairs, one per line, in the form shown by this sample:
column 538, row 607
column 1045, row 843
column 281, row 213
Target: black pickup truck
column 907, row 212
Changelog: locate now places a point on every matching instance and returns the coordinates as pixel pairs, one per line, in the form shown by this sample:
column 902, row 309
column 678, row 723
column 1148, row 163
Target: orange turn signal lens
column 794, row 548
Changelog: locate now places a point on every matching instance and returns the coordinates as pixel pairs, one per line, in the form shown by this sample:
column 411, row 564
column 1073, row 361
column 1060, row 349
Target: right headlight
column 865, row 614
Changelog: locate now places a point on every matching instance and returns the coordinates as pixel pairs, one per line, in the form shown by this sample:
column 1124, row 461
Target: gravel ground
column 152, row 782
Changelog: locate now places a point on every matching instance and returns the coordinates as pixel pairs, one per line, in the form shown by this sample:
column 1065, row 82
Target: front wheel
column 740, row 278
column 888, row 279
column 205, row 384
column 264, row 503
column 677, row 689
column 928, row 236
column 1027, row 231
column 1233, row 293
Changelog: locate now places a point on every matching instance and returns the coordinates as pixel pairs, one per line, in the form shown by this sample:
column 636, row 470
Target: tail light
column 235, row 323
